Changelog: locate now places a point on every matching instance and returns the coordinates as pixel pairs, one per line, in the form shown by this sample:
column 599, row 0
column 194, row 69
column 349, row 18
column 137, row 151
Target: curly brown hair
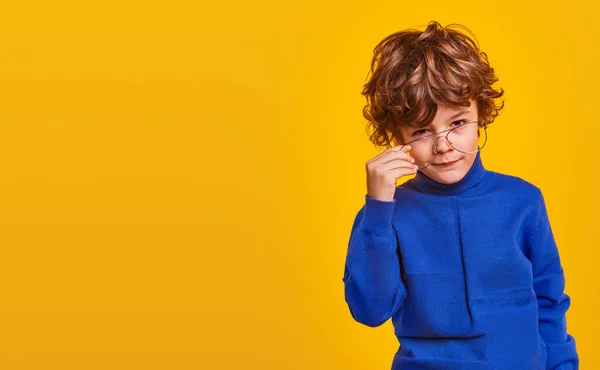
column 412, row 72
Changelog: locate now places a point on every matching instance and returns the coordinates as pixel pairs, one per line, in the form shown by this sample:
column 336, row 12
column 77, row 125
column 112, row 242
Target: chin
column 448, row 176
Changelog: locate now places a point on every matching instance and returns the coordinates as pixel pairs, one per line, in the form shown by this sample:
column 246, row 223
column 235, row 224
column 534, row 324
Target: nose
column 441, row 147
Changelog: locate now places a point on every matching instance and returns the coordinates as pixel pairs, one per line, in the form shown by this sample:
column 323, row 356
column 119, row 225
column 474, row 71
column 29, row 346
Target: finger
column 402, row 147
column 401, row 172
column 387, row 151
column 399, row 154
column 399, row 164
column 392, row 153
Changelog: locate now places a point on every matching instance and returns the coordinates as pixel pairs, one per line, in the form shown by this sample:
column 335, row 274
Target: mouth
column 446, row 164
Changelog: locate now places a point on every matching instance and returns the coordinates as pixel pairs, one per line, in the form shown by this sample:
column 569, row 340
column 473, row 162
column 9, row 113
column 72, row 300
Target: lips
column 446, row 163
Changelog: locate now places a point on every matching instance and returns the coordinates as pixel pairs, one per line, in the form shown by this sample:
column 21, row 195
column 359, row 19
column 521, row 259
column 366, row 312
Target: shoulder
column 521, row 199
column 515, row 186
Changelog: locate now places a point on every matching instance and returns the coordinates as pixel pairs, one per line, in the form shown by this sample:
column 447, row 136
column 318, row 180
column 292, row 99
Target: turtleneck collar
column 474, row 176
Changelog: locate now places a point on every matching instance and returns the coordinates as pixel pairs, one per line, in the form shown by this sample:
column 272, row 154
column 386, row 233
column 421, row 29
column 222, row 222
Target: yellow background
column 178, row 179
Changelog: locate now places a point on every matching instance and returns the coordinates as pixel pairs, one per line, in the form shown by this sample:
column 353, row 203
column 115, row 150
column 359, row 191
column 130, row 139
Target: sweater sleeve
column 549, row 285
column 372, row 283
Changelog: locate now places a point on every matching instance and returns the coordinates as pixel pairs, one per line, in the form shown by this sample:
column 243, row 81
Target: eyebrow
column 459, row 114
column 454, row 116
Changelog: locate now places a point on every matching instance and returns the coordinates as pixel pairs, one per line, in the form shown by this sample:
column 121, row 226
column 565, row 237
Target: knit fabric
column 469, row 273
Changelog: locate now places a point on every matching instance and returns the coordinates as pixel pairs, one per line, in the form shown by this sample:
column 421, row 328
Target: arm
column 373, row 286
column 549, row 284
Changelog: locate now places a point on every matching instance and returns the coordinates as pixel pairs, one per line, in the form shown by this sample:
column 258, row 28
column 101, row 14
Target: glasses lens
column 468, row 138
column 422, row 152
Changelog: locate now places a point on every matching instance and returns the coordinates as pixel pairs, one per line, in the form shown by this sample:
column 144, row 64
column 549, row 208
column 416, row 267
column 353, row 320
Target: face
column 447, row 165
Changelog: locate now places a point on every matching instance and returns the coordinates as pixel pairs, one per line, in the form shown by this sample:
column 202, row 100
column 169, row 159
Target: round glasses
column 462, row 138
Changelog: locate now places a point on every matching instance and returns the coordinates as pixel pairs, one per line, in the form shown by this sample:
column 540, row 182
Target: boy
column 461, row 258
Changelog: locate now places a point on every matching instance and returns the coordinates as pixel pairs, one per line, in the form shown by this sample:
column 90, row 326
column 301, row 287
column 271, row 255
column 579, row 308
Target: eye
column 460, row 122
column 420, row 132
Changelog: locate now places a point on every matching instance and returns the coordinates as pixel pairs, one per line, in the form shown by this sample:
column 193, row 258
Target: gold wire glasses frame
column 437, row 136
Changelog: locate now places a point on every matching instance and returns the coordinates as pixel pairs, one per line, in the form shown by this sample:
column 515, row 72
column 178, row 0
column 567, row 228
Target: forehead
column 444, row 111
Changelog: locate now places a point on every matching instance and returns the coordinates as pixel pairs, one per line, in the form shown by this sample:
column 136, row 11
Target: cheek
column 474, row 143
column 469, row 143
column 421, row 152
column 468, row 161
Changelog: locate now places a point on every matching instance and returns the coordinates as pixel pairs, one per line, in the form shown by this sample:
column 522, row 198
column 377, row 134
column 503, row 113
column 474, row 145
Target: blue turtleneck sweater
column 469, row 273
